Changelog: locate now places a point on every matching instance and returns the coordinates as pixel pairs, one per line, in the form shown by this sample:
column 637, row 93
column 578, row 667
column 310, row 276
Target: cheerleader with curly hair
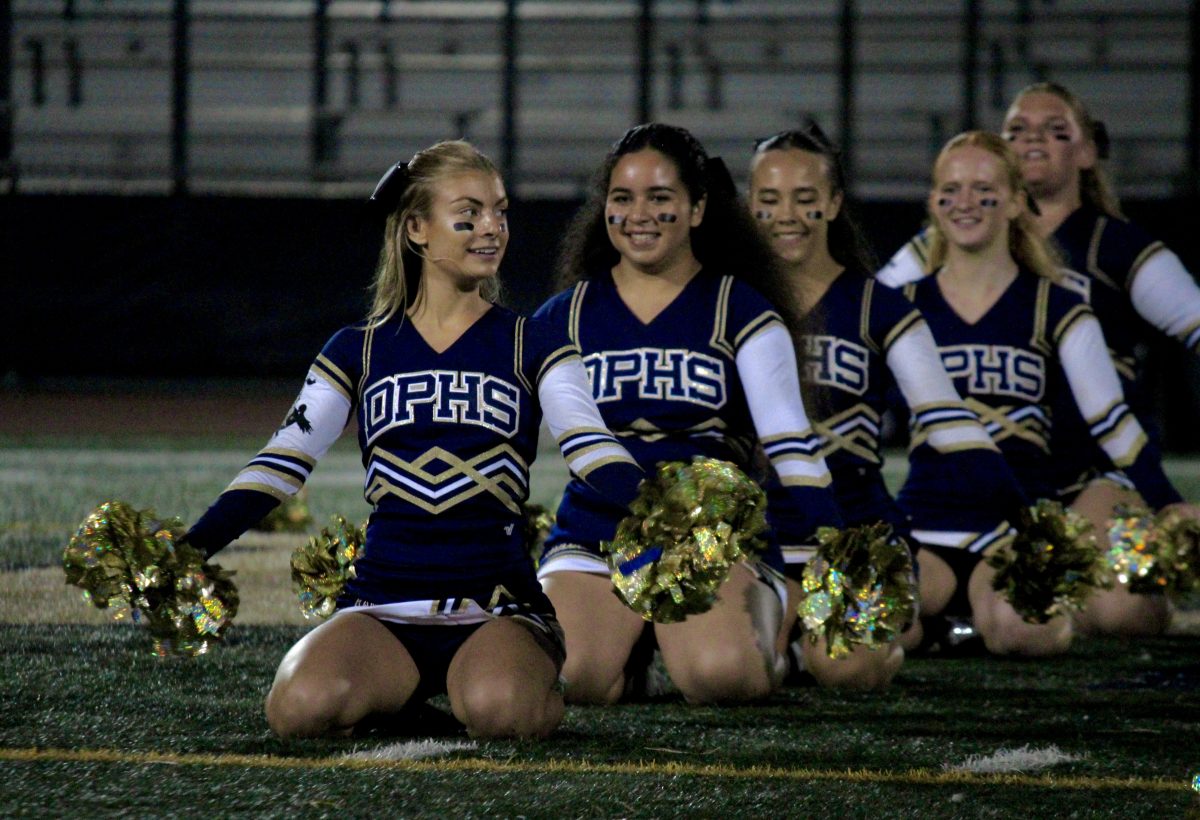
column 686, row 329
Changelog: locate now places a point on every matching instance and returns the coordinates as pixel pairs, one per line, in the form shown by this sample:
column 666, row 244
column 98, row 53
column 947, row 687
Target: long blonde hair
column 397, row 283
column 1095, row 187
column 1026, row 246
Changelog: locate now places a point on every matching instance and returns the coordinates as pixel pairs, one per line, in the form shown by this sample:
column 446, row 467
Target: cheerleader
column 448, row 390
column 684, row 329
column 864, row 340
column 1130, row 279
column 1010, row 336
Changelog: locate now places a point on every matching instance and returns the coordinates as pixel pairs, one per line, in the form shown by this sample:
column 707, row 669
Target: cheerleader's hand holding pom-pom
column 135, row 565
column 1155, row 552
column 859, row 589
column 321, row 567
column 689, row 525
column 1051, row 566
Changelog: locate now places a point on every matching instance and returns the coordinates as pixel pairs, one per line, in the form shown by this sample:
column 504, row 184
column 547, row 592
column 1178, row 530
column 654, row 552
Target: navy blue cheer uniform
column 711, row 375
column 447, row 439
column 869, row 339
column 1039, row 338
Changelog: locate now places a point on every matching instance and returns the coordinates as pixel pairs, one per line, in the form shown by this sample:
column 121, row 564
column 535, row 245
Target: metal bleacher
column 92, row 85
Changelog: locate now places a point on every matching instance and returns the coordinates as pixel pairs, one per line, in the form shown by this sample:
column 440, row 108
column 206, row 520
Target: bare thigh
column 1097, row 503
column 337, row 674
column 1116, row 611
column 728, row 652
column 1003, row 630
column 936, row 584
column 600, row 631
column 501, row 683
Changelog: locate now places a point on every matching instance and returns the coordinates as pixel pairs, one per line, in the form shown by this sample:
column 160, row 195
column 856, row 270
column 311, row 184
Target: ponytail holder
column 390, row 189
column 719, row 178
column 814, row 130
column 1100, row 138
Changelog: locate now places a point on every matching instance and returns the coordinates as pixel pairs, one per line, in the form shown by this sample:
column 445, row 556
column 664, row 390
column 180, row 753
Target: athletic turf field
column 92, row 725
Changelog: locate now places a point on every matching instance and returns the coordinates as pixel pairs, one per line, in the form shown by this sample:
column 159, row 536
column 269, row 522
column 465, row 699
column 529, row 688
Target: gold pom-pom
column 690, row 524
column 859, row 589
column 538, row 523
column 131, row 563
column 292, row 515
column 1154, row 553
column 1051, row 566
column 321, row 567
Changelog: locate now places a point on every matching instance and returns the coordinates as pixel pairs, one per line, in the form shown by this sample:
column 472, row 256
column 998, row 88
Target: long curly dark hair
column 726, row 242
column 848, row 243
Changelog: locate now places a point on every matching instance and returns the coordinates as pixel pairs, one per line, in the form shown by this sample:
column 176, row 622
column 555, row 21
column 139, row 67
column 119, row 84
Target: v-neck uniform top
column 868, row 340
column 707, row 376
column 1037, row 339
column 447, row 439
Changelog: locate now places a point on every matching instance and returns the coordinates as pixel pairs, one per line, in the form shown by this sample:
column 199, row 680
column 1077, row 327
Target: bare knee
column 589, row 681
column 724, row 673
column 306, row 707
column 863, row 669
column 498, row 708
column 1006, row 633
column 1124, row 614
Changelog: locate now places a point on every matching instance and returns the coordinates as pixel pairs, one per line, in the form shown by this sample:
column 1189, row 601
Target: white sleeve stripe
column 583, row 464
column 575, row 439
column 944, row 438
column 279, row 468
column 1102, row 424
column 767, row 367
column 574, row 420
column 1193, row 338
column 608, row 446
column 275, row 484
column 790, row 479
column 294, row 450
column 934, row 418
column 1097, row 390
column 1124, row 444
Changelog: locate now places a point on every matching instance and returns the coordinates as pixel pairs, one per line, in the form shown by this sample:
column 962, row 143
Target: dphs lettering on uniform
column 449, row 396
column 653, row 373
column 996, row 370
column 835, row 362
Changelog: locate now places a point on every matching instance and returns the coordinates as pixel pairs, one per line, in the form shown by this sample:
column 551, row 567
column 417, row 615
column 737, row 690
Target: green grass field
column 91, row 724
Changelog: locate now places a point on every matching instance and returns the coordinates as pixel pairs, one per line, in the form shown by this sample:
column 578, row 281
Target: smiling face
column 1049, row 143
column 972, row 199
column 793, row 202
column 649, row 213
column 466, row 231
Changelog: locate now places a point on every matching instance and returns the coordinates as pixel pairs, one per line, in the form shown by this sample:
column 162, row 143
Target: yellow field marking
column 926, row 777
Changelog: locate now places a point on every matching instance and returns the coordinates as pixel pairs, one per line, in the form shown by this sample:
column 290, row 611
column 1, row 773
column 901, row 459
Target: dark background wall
column 158, row 287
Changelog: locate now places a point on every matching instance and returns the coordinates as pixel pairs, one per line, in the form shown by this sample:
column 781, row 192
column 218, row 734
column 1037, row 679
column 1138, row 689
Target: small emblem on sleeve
column 297, row 417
